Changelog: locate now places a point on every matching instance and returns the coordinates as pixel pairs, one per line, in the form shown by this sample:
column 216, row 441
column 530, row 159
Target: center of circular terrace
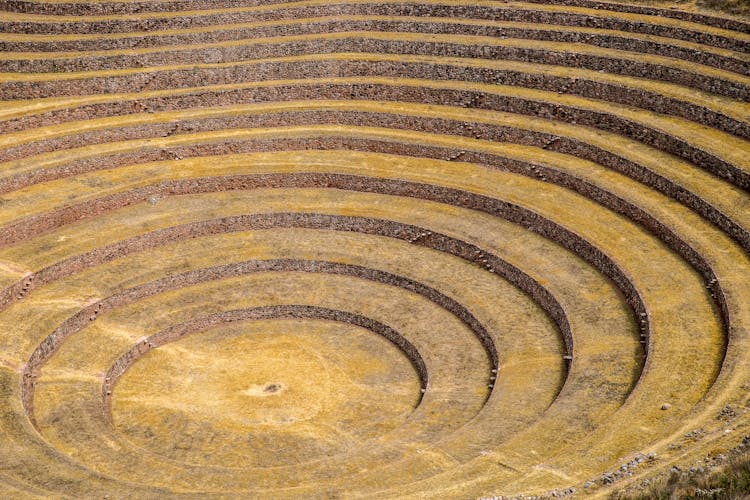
column 265, row 393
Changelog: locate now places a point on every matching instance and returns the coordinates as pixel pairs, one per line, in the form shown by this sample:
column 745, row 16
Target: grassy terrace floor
column 393, row 249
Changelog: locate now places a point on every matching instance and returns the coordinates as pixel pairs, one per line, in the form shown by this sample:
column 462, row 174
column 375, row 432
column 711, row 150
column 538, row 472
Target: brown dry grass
column 732, row 481
column 741, row 7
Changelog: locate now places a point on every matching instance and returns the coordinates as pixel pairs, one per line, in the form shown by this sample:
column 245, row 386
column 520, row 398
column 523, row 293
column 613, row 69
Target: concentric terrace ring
column 390, row 249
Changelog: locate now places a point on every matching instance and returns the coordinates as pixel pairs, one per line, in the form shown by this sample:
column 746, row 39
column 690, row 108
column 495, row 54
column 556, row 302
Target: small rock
column 666, row 406
column 727, row 413
column 608, row 478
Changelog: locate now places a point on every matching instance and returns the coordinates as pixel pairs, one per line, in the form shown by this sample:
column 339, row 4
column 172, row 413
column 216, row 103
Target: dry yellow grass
column 450, row 249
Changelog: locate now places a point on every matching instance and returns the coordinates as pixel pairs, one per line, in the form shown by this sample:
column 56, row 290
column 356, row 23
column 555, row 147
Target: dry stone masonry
column 400, row 249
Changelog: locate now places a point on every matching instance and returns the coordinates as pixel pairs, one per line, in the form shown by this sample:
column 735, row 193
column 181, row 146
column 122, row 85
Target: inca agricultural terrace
column 393, row 249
